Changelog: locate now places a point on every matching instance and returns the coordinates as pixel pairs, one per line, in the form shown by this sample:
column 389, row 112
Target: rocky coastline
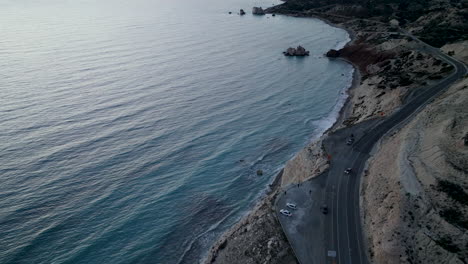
column 390, row 69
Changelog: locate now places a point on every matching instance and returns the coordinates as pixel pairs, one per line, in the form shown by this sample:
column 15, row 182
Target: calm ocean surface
column 123, row 123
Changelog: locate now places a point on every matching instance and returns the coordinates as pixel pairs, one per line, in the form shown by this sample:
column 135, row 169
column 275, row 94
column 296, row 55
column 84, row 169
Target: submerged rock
column 259, row 172
column 223, row 244
column 299, row 51
column 258, row 11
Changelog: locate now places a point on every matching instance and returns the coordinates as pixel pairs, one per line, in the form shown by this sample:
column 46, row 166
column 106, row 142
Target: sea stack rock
column 258, row 11
column 290, row 52
column 241, row 12
column 333, row 53
column 299, row 51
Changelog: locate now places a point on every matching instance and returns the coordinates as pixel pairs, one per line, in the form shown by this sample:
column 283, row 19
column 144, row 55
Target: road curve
column 337, row 237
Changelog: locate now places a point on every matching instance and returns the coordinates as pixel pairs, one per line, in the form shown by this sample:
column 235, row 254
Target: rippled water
column 131, row 131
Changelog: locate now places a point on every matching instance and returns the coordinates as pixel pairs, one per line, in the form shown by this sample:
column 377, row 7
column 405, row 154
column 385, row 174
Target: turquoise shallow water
column 123, row 123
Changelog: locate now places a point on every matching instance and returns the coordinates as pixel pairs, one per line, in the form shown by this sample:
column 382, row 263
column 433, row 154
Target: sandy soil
column 416, row 188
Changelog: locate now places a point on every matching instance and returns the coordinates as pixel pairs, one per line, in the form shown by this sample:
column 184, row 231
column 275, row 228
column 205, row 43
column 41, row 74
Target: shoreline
column 275, row 186
column 388, row 66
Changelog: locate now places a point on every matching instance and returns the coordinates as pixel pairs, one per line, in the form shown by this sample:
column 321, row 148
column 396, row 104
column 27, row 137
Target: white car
column 291, row 205
column 285, row 212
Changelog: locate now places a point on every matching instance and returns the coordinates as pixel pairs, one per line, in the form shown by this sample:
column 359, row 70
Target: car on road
column 285, row 212
column 350, row 140
column 348, row 171
column 291, row 205
column 324, row 209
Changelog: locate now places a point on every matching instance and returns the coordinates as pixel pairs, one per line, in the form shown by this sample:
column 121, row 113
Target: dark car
column 324, row 209
column 348, row 171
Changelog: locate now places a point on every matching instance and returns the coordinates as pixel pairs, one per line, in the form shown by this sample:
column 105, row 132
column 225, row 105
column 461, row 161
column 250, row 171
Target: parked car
column 291, row 205
column 324, row 209
column 285, row 212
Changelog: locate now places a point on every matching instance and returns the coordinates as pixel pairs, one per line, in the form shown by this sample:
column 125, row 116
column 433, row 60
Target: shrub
column 453, row 190
column 454, row 217
column 447, row 244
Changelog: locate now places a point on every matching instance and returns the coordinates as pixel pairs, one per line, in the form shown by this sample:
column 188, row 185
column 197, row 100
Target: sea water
column 131, row 131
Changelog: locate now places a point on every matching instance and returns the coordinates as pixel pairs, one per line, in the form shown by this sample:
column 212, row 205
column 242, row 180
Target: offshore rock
column 299, row 51
column 241, row 12
column 258, row 11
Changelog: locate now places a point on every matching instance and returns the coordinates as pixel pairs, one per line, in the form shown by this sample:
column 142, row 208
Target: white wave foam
column 328, row 121
column 341, row 44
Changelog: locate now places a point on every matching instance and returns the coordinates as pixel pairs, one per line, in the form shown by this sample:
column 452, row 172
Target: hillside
column 437, row 22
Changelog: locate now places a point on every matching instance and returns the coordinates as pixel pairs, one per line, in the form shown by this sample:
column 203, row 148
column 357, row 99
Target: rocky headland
column 258, row 11
column 414, row 212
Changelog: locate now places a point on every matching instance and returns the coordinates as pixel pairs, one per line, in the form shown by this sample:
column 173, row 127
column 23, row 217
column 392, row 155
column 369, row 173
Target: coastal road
column 337, row 237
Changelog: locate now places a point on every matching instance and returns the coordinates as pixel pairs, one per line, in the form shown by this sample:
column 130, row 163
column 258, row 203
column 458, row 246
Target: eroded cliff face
column 415, row 192
column 257, row 238
column 392, row 66
column 308, row 163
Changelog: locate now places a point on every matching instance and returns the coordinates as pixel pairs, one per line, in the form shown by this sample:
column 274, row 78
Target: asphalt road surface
column 337, row 237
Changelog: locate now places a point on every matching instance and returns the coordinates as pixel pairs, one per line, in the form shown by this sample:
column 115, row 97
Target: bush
column 453, row 190
column 447, row 244
column 454, row 217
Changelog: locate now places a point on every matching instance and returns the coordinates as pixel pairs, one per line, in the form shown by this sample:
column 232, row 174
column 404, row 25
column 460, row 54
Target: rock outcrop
column 299, row 51
column 308, row 163
column 258, row 11
column 241, row 12
column 333, row 53
column 256, row 238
